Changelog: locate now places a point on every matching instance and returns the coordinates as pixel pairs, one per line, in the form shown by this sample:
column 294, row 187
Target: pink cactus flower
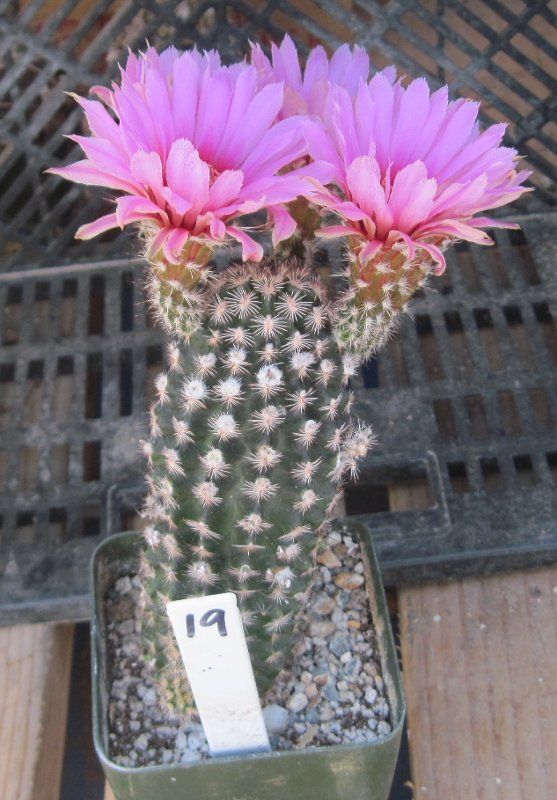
column 306, row 92
column 411, row 167
column 191, row 145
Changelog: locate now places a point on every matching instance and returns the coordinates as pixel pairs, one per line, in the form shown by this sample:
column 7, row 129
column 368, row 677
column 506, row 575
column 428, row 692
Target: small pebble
column 195, row 741
column 328, row 559
column 150, row 697
column 345, row 580
column 126, row 627
column 141, row 743
column 276, row 718
column 297, row 702
column 346, row 657
column 324, row 606
column 123, row 585
column 370, row 695
column 322, row 628
column 312, row 691
column 383, row 728
column 339, row 644
column 181, row 741
column 308, row 737
column 188, row 756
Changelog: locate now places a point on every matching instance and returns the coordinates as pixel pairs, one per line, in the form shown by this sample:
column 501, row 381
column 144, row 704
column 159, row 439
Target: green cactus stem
column 250, row 438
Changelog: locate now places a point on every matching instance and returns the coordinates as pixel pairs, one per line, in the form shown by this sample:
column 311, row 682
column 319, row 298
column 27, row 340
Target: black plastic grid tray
column 501, row 51
column 464, row 401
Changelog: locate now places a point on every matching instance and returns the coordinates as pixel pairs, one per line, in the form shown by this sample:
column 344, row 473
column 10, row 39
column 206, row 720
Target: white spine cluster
column 250, row 439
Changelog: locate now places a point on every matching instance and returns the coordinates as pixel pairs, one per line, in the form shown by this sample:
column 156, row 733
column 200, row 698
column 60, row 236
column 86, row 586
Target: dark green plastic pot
column 339, row 772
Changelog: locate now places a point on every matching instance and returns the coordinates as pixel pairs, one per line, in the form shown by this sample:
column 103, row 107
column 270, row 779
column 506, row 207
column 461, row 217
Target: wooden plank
column 35, row 663
column 480, row 670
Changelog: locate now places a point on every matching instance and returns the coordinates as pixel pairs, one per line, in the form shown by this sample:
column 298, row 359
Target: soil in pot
column 333, row 693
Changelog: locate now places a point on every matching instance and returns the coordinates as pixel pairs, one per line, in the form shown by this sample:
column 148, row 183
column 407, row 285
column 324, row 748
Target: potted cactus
column 251, row 431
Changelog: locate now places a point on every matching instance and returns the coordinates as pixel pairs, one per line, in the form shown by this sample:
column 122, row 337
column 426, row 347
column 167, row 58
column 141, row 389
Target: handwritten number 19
column 215, row 616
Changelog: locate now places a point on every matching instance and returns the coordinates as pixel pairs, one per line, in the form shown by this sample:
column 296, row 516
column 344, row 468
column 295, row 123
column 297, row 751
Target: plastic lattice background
column 464, row 401
column 502, row 51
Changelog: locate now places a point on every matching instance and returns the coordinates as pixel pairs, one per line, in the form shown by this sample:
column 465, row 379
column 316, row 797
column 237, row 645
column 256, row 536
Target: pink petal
column 251, row 250
column 284, row 224
column 456, row 229
column 157, row 242
column 344, row 124
column 319, row 171
column 317, row 68
column 137, row 132
column 185, row 94
column 367, row 192
column 364, row 116
column 286, row 64
column 369, row 250
column 100, row 225
column 454, row 133
column 389, row 73
column 334, row 231
column 426, row 136
column 188, row 175
column 103, row 93
column 412, row 196
column 258, row 118
column 176, row 166
column 349, row 68
column 436, row 255
column 321, row 147
column 411, row 117
column 173, row 244
column 273, row 190
column 104, row 154
column 99, row 120
column 457, row 199
column 277, row 148
column 488, row 222
column 225, row 155
column 470, row 161
column 259, row 59
column 382, row 93
column 86, row 172
column 147, row 169
column 157, row 101
column 217, row 229
column 177, row 204
column 134, row 209
column 294, row 103
column 212, row 113
column 226, row 187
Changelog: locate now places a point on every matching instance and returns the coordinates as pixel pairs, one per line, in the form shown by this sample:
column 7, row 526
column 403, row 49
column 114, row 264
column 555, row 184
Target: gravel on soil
column 333, row 693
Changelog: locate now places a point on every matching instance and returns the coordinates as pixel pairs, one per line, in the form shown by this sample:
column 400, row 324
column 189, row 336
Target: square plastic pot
column 337, row 772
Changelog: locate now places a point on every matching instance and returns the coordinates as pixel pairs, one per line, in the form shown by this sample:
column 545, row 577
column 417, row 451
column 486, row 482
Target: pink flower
column 190, row 145
column 307, row 92
column 411, row 167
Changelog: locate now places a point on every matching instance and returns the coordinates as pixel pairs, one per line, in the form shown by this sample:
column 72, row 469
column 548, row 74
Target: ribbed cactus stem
column 250, row 438
column 379, row 289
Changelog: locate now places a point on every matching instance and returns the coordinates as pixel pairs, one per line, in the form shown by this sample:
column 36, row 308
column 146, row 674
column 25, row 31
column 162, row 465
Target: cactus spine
column 250, row 437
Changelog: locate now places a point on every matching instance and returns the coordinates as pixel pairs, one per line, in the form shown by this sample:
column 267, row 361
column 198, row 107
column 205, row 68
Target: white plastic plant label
column 212, row 643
